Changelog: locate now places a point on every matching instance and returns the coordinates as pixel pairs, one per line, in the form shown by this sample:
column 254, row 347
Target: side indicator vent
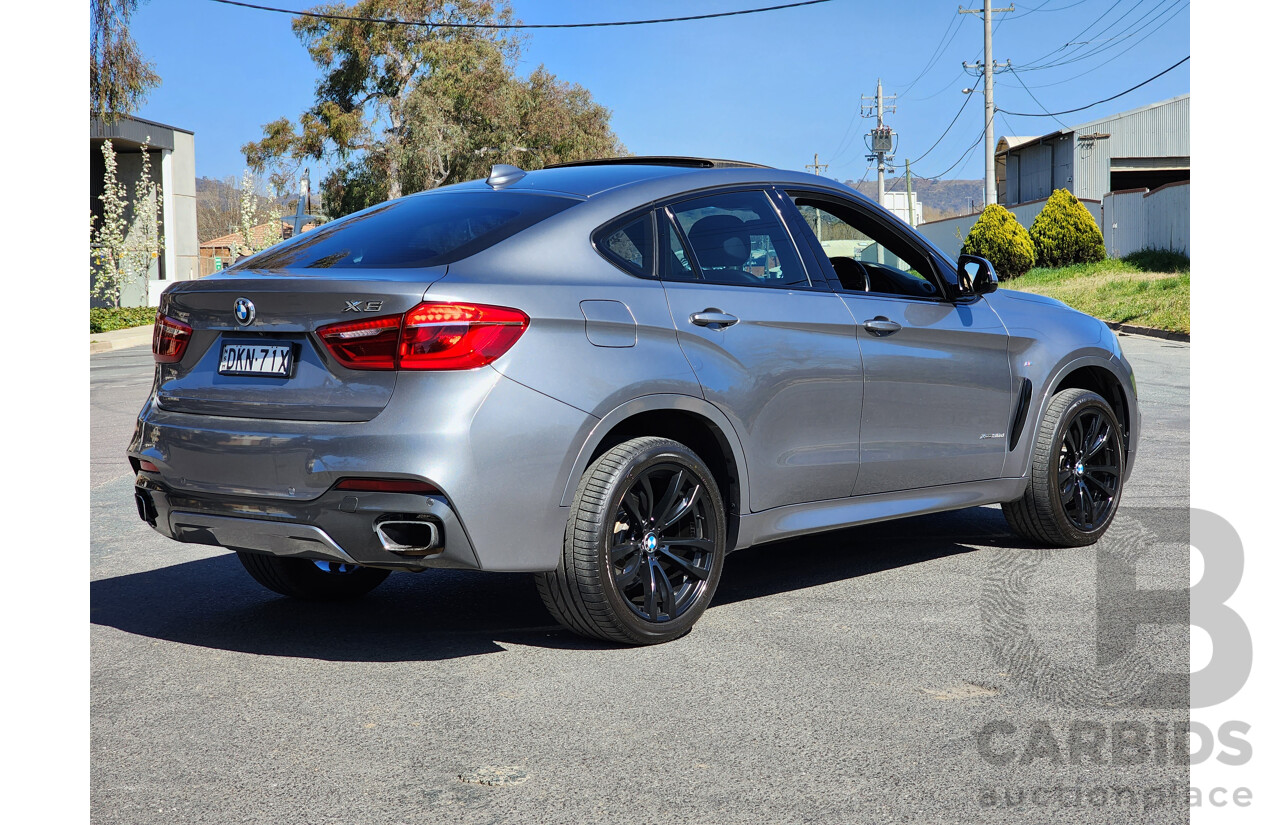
column 1020, row 413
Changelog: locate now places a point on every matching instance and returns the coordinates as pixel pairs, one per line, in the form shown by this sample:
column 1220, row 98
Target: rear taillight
column 457, row 336
column 169, row 339
column 364, row 345
column 431, row 336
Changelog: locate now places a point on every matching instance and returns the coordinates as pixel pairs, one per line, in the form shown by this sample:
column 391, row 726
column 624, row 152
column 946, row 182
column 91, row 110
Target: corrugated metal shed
column 1083, row 158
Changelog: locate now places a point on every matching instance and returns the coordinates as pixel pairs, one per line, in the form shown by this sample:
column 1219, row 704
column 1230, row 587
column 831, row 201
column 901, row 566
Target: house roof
column 236, row 239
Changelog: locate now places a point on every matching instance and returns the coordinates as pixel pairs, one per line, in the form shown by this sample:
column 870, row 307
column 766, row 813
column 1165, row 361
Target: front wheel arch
column 1105, row 383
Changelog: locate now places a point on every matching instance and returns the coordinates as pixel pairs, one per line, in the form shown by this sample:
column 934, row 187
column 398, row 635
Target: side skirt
column 815, row 517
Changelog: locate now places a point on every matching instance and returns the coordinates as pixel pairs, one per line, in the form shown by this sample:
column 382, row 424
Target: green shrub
column 998, row 237
column 105, row 320
column 1064, row 233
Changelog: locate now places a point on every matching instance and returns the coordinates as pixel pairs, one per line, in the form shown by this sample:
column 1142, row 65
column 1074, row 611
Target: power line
column 1043, row 108
column 1047, row 11
column 1104, row 100
column 394, row 22
column 1077, row 35
column 1097, row 36
column 948, row 129
column 1117, row 55
column 967, row 153
column 1132, row 30
column 937, row 53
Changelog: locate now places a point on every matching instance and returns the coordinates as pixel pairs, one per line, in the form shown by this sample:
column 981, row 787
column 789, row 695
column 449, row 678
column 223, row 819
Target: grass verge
column 107, row 319
column 1147, row 289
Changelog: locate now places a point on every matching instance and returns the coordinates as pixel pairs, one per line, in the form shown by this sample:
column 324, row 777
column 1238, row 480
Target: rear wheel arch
column 686, row 420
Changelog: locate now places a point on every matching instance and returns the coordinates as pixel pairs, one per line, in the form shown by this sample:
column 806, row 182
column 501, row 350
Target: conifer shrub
column 1064, row 233
column 998, row 237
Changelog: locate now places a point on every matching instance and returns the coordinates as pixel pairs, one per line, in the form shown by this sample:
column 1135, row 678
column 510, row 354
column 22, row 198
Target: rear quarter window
column 429, row 229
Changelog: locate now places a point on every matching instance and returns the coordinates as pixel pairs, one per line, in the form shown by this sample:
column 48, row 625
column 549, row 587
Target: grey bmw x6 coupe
column 612, row 374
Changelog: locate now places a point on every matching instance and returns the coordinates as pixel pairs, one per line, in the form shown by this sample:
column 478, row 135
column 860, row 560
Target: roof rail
column 663, row 160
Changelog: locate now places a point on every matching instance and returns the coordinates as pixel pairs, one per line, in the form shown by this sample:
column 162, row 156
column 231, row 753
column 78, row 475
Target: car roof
column 650, row 177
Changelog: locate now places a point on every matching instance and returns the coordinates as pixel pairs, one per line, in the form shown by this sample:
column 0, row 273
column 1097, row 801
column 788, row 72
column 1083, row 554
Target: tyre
column 1077, row 472
column 644, row 546
column 311, row 580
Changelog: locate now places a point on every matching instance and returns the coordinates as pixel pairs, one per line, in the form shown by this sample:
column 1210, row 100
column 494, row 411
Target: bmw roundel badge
column 244, row 311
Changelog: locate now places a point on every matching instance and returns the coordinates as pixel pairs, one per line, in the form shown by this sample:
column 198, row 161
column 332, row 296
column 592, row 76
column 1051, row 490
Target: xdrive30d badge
column 613, row 374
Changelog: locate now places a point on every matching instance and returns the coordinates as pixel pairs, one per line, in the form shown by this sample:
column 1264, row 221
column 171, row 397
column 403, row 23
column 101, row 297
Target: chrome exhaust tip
column 408, row 537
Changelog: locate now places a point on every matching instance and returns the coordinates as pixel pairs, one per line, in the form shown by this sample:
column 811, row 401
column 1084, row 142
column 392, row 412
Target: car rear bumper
column 338, row 526
column 500, row 452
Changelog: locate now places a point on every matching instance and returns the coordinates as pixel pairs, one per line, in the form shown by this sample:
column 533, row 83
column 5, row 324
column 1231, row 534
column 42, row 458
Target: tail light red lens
column 169, row 339
column 458, row 336
column 364, row 345
column 431, row 336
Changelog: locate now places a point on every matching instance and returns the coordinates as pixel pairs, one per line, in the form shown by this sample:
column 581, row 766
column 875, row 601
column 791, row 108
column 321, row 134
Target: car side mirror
column 977, row 275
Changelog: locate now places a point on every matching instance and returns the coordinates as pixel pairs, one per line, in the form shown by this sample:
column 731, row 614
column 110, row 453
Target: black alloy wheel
column 644, row 545
column 1077, row 473
column 1089, row 469
column 664, row 543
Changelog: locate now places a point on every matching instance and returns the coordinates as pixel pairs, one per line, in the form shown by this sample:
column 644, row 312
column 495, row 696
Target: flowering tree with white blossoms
column 123, row 253
column 252, row 214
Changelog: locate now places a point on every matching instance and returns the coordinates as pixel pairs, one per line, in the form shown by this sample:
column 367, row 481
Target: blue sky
column 772, row 88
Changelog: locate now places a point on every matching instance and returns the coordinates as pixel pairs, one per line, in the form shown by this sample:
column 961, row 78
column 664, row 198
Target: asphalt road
column 841, row 678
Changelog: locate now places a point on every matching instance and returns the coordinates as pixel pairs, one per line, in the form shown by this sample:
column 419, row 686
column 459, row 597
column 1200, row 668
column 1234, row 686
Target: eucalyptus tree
column 402, row 108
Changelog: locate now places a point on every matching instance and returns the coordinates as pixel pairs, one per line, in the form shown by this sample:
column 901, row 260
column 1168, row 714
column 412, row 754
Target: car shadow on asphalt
column 447, row 614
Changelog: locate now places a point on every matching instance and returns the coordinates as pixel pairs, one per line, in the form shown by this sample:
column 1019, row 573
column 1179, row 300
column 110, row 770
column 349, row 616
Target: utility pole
column 882, row 143
column 881, row 136
column 911, row 212
column 988, row 87
column 817, row 170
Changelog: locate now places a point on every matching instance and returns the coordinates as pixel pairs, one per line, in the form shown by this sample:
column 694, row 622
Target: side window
column 737, row 238
column 629, row 245
column 866, row 256
column 677, row 265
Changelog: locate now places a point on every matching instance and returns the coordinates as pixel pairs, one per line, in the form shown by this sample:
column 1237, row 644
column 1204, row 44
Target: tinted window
column 630, row 246
column 737, row 238
column 420, row 230
column 676, row 267
column 865, row 256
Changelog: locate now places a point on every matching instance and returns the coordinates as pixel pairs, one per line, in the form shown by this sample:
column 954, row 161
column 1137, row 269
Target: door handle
column 712, row 317
column 882, row 326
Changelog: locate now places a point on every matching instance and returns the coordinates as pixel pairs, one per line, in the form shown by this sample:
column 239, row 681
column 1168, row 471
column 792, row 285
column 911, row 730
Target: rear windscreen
column 419, row 230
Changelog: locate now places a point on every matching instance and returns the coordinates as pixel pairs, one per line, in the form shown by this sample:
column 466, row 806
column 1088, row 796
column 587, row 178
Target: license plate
column 256, row 359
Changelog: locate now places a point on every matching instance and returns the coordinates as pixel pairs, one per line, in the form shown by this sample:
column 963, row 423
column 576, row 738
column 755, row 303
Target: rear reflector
column 385, row 485
column 431, row 336
column 147, row 466
column 169, row 339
